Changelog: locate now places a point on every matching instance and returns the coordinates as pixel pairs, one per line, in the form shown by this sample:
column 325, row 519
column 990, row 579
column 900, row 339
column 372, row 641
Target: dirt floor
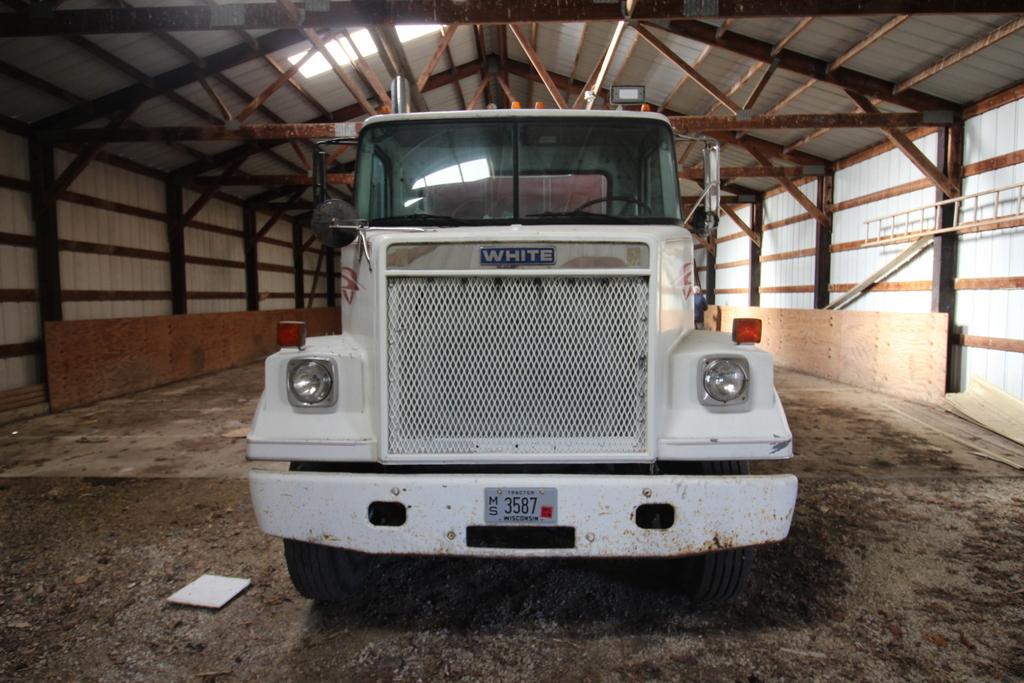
column 904, row 562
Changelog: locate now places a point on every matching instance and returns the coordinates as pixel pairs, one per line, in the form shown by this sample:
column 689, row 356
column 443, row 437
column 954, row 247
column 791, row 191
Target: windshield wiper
column 419, row 219
column 598, row 217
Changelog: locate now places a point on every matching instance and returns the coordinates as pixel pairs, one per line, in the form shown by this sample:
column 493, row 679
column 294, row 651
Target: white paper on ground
column 210, row 590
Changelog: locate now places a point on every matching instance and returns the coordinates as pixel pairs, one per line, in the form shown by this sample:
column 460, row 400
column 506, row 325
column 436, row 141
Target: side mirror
column 335, row 223
column 704, row 222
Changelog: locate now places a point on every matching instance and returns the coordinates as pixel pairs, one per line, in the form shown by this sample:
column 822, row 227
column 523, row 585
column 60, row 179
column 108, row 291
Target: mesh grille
column 517, row 365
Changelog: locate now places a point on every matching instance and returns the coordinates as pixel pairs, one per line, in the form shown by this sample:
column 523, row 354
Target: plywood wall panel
column 902, row 354
column 88, row 360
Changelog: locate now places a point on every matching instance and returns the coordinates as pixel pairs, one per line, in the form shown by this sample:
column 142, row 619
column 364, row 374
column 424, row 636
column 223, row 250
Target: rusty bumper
column 711, row 512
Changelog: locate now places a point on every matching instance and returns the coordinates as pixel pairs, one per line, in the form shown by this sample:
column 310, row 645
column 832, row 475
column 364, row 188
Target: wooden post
column 823, row 243
column 332, row 286
column 252, row 273
column 945, row 247
column 176, row 248
column 44, row 215
column 298, row 265
column 756, row 223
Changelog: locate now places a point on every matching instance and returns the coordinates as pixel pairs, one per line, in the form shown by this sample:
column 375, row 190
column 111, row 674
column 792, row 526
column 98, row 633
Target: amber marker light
column 746, row 330
column 291, row 333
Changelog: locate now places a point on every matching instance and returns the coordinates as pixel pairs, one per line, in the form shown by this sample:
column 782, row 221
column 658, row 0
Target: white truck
column 518, row 373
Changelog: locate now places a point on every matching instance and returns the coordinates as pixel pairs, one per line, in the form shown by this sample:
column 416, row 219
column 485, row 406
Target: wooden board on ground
column 88, row 360
column 902, row 354
column 990, row 407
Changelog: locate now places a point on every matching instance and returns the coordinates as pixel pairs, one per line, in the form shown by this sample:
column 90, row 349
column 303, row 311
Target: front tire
column 718, row 577
column 324, row 573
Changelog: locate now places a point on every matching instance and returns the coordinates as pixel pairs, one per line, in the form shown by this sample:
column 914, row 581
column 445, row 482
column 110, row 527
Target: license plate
column 520, row 506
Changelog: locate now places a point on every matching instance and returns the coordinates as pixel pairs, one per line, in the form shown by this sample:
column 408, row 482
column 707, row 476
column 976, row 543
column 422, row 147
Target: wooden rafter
column 963, row 53
column 907, row 146
column 786, row 39
column 447, row 33
column 365, row 71
column 866, row 42
column 735, row 87
column 704, row 83
column 809, row 205
column 395, row 53
column 755, row 94
column 741, row 224
column 218, row 101
column 285, row 132
column 16, row 74
column 86, row 155
column 276, row 85
column 484, row 82
column 345, row 79
column 296, row 86
column 542, row 71
column 810, row 67
column 208, row 193
column 278, row 212
column 371, row 14
column 686, row 76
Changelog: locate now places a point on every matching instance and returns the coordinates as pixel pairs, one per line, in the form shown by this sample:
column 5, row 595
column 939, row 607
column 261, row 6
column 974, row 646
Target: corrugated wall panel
column 277, row 288
column 204, row 278
column 999, row 253
column 737, row 277
column 876, row 174
column 19, row 320
column 789, row 238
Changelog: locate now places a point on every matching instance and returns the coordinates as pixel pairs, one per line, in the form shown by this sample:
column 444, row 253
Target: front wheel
column 718, row 577
column 324, row 573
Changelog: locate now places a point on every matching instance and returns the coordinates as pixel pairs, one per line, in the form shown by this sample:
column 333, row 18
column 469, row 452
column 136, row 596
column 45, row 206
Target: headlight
column 725, row 380
column 310, row 381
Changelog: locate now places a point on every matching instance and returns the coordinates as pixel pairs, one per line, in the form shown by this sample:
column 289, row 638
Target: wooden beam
column 176, row 247
column 44, row 217
column 86, row 156
column 797, row 194
column 126, row 19
column 447, row 33
column 396, row 55
column 757, row 219
column 755, row 94
column 786, row 39
column 479, row 91
column 742, row 225
column 276, row 216
column 252, row 273
column 535, row 60
column 245, row 179
column 16, row 74
column 311, row 131
column 758, row 172
column 316, row 276
column 735, row 87
column 811, row 67
column 208, row 193
column 686, row 77
column 349, row 84
column 218, row 102
column 823, row 244
column 960, row 55
column 276, row 85
column 298, row 265
column 704, row 83
column 299, row 89
column 364, row 69
column 866, row 42
column 916, row 156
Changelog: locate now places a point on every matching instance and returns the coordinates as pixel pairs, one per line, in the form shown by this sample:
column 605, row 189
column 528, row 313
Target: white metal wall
column 878, row 173
column 995, row 313
column 19, row 320
column 790, row 272
column 91, row 272
column 736, row 277
column 277, row 288
column 201, row 277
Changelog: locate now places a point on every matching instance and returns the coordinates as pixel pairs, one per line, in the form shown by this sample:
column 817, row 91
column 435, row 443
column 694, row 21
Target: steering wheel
column 627, row 200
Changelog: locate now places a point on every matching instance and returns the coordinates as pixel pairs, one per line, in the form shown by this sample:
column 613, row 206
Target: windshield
column 494, row 172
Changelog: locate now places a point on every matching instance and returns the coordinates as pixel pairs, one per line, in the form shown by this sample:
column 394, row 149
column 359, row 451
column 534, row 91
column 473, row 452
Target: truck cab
column 518, row 373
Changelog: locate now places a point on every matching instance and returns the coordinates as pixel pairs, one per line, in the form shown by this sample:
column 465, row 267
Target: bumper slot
column 521, row 537
column 386, row 513
column 655, row 516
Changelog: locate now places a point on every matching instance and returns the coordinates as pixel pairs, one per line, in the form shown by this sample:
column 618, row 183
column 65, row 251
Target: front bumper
column 711, row 512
